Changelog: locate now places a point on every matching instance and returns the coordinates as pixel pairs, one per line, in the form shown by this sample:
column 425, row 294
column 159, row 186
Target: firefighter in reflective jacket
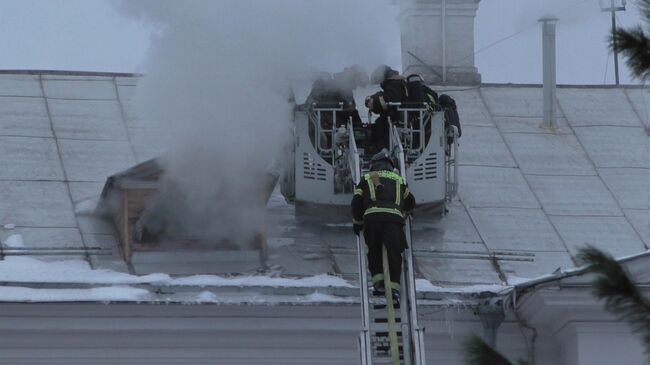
column 380, row 203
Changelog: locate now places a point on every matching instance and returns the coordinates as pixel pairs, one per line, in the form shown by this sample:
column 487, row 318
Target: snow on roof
column 529, row 197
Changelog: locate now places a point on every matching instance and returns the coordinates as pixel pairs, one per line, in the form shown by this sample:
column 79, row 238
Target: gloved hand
column 357, row 228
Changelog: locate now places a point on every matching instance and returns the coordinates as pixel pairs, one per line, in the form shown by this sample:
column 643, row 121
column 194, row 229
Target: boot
column 378, row 289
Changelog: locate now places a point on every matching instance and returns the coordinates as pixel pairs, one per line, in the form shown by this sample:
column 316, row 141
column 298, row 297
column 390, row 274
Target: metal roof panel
column 24, row 117
column 616, row 146
column 66, row 87
column 629, row 186
column 549, row 154
column 87, row 119
column 574, row 195
column 483, row 146
column 94, row 160
column 36, row 204
column 514, row 101
column 471, row 109
column 611, row 234
column 592, row 107
column 29, row 158
column 20, row 85
column 530, row 125
column 517, row 230
column 495, row 187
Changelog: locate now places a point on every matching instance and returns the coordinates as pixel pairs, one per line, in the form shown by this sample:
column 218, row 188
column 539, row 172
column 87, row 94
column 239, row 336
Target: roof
column 529, row 198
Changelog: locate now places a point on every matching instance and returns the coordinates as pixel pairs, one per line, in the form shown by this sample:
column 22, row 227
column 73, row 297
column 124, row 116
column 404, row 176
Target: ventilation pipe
column 549, row 71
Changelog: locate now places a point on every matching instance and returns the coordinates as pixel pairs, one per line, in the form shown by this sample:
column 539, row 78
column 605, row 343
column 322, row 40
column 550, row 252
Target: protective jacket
column 381, row 196
column 395, row 91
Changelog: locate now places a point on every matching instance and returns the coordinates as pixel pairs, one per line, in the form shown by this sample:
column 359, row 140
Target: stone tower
column 438, row 40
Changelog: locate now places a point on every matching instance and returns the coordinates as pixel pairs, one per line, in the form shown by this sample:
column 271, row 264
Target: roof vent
column 549, row 72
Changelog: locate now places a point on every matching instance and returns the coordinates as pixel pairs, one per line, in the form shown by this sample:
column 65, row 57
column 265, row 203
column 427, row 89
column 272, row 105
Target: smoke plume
column 217, row 81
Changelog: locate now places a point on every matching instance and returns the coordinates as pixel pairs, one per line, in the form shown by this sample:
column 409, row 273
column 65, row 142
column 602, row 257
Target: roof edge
column 69, row 73
column 571, row 273
column 568, row 86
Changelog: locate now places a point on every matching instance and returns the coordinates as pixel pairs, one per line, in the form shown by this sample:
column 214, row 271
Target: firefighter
column 380, row 203
column 394, row 90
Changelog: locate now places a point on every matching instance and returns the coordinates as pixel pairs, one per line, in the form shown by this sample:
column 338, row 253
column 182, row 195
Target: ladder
column 390, row 334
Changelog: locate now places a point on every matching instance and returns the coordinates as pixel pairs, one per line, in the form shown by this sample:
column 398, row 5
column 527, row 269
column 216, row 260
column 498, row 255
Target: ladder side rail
column 366, row 354
column 451, row 164
column 354, row 158
column 405, row 327
column 363, row 353
column 416, row 332
column 364, row 338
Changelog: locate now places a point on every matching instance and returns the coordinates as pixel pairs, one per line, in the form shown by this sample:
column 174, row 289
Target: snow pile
column 425, row 286
column 15, row 240
column 318, row 281
column 29, row 270
column 206, row 297
column 516, row 280
column 86, row 206
column 105, row 294
column 317, row 297
column 314, row 298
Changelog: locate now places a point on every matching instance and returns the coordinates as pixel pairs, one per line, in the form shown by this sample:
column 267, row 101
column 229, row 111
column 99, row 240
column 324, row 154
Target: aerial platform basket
column 322, row 167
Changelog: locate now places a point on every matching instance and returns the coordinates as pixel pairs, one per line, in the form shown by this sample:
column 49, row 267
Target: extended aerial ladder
column 325, row 166
column 388, row 332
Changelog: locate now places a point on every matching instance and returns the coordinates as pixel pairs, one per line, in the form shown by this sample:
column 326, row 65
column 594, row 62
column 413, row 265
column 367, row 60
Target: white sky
column 90, row 35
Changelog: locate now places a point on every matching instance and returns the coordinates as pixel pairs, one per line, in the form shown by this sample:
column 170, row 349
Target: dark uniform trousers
column 390, row 234
column 379, row 205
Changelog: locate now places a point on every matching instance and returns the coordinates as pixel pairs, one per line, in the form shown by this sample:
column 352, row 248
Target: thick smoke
column 217, row 80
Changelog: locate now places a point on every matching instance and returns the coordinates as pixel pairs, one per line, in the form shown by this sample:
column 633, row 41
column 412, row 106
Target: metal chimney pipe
column 549, row 71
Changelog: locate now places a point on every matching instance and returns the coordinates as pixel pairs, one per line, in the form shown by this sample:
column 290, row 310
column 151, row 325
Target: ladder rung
column 386, row 353
column 387, row 348
column 385, row 320
column 383, row 342
column 383, row 306
column 385, row 334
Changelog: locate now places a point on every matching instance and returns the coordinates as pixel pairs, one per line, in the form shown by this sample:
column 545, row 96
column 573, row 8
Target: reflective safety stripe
column 377, row 278
column 388, row 175
column 398, row 193
column 406, row 193
column 371, row 187
column 358, row 192
column 372, row 210
column 394, row 286
column 354, row 221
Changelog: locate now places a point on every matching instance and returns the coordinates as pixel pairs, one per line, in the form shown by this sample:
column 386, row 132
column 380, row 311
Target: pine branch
column 634, row 44
column 477, row 352
column 621, row 295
